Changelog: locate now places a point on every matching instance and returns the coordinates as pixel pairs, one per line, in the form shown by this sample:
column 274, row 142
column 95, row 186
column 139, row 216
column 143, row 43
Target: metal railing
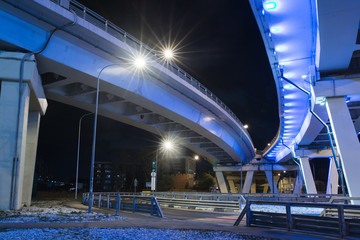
column 287, row 218
column 217, row 206
column 102, row 23
column 124, row 201
column 242, row 197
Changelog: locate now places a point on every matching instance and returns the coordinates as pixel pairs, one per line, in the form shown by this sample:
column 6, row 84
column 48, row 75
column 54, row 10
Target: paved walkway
column 137, row 220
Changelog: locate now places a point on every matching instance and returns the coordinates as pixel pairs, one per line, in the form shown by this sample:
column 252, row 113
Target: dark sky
column 219, row 44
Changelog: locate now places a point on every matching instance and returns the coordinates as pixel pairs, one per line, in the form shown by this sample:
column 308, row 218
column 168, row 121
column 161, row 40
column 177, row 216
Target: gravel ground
column 124, row 233
column 52, row 211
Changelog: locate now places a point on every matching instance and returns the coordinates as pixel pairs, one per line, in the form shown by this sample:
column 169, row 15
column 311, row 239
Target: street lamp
column 167, row 146
column 78, row 154
column 168, row 54
column 94, row 136
column 139, row 62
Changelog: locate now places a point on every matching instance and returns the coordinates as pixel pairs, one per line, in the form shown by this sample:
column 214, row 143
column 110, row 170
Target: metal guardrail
column 342, row 199
column 229, row 202
column 243, row 196
column 125, row 202
column 102, row 23
column 200, row 196
column 336, row 225
column 222, row 206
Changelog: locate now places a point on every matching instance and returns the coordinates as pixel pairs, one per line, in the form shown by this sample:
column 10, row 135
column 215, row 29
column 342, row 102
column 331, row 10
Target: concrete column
column 333, row 178
column 272, row 183
column 11, row 133
column 221, row 182
column 298, row 183
column 253, row 187
column 30, row 156
column 308, row 176
column 347, row 143
column 266, row 188
column 248, row 181
column 232, row 186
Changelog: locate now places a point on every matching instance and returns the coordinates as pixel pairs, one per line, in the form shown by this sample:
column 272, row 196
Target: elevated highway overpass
column 58, row 49
column 313, row 49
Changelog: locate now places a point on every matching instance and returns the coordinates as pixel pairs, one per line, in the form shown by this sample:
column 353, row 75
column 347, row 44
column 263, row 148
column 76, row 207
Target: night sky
column 219, row 44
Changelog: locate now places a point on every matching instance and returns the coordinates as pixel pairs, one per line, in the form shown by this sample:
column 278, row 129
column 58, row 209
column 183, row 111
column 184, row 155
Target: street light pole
column 94, row 136
column 156, row 171
column 78, row 154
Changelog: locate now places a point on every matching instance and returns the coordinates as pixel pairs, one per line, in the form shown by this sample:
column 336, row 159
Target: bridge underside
column 157, row 100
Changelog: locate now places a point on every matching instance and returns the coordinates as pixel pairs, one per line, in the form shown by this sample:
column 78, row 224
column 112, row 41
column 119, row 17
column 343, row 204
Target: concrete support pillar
column 266, row 188
column 298, row 183
column 253, row 187
column 13, row 142
column 221, row 182
column 347, row 143
column 272, row 183
column 333, row 178
column 308, row 176
column 18, row 129
column 248, row 181
column 232, row 186
column 30, row 156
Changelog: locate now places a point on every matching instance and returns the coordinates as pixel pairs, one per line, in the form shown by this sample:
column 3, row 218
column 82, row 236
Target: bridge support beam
column 333, row 178
column 308, row 176
column 221, row 182
column 13, row 143
column 271, row 180
column 232, row 186
column 30, row 156
column 19, row 124
column 347, row 143
column 298, row 183
column 248, row 181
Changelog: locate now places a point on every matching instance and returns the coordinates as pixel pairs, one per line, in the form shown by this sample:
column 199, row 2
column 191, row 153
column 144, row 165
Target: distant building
column 175, row 165
column 104, row 179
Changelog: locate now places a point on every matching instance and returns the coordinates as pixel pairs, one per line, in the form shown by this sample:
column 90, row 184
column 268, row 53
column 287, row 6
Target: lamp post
column 78, row 154
column 94, row 136
column 167, row 146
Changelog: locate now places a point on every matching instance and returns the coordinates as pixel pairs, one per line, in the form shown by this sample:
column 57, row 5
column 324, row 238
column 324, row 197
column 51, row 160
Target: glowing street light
column 196, row 157
column 168, row 54
column 168, row 145
column 246, row 126
column 139, row 62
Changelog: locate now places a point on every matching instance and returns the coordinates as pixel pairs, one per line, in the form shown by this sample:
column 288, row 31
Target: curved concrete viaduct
column 162, row 98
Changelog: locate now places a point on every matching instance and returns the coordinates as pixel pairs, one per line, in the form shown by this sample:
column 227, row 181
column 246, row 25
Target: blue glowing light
column 287, row 75
column 280, row 48
column 287, row 104
column 289, row 86
column 269, row 5
column 287, row 117
column 274, row 29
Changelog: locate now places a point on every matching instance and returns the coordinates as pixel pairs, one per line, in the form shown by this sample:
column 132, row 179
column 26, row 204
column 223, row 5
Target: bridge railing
column 99, row 21
column 124, row 201
column 242, row 197
column 299, row 217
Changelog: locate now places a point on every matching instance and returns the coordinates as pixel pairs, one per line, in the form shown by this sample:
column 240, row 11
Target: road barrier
column 335, row 225
column 125, row 202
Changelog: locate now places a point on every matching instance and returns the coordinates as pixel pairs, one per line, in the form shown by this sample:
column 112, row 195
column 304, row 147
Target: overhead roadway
column 162, row 99
column 311, row 41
